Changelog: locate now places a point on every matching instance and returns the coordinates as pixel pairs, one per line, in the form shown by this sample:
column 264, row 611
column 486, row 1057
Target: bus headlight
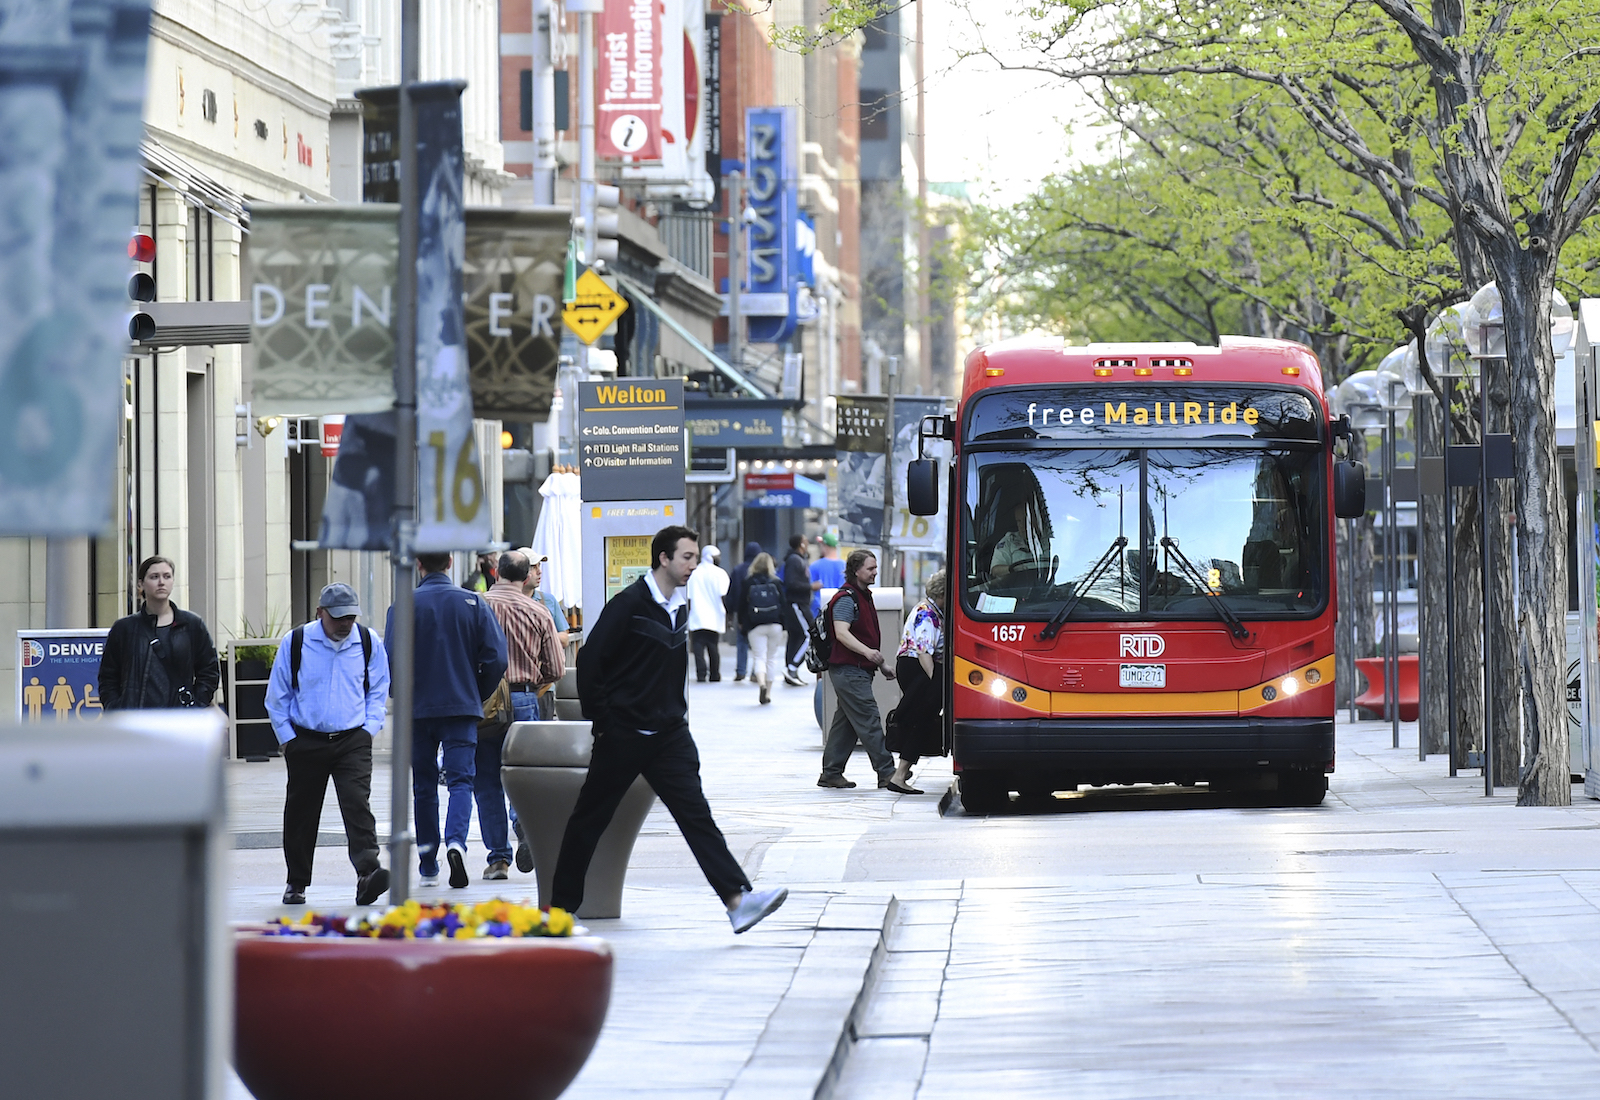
column 1290, row 685
column 998, row 687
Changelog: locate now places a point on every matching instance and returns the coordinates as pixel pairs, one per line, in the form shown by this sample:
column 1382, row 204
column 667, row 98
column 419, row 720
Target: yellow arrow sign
column 595, row 307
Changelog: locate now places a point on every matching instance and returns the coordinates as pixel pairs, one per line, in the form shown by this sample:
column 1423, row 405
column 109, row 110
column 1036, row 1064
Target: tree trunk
column 1355, row 593
column 1525, row 279
column 1468, row 629
column 1432, row 626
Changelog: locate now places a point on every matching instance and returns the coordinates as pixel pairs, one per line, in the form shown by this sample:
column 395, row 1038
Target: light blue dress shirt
column 330, row 697
column 554, row 608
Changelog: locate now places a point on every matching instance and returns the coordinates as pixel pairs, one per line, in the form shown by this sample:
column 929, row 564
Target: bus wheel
column 983, row 793
column 1302, row 788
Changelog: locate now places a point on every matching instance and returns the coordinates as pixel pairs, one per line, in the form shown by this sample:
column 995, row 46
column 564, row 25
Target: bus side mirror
column 1349, row 489
column 922, row 487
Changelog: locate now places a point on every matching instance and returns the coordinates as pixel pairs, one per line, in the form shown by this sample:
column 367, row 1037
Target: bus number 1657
column 1009, row 632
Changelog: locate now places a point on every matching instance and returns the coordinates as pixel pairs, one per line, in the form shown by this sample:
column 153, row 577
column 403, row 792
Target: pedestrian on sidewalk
column 482, row 578
column 326, row 699
column 631, row 682
column 460, row 657
column 852, row 621
column 761, row 617
column 732, row 602
column 533, row 659
column 827, row 571
column 915, row 728
column 708, row 618
column 161, row 655
column 564, row 634
column 797, row 613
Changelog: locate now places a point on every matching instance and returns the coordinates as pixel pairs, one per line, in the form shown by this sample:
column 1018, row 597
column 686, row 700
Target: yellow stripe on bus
column 975, row 678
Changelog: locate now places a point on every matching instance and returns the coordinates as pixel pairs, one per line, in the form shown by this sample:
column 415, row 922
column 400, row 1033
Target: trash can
column 117, row 970
column 543, row 766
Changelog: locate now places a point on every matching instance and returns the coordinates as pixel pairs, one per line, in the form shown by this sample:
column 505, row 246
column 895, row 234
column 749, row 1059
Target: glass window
column 1246, row 526
column 1039, row 523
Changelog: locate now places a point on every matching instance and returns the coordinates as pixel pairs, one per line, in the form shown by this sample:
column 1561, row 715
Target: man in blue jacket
column 460, row 657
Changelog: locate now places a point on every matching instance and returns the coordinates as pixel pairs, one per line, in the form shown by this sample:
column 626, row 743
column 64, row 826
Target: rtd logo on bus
column 1143, row 645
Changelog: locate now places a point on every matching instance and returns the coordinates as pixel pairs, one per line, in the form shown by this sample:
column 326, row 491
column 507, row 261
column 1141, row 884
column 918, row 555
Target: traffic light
column 141, row 288
column 607, row 223
column 607, row 226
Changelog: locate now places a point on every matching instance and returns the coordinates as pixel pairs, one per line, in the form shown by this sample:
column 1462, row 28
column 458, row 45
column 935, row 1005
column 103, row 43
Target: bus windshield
column 1240, row 525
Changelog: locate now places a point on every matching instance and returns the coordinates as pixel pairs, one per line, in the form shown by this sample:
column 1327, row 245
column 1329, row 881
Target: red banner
column 628, row 81
column 761, row 483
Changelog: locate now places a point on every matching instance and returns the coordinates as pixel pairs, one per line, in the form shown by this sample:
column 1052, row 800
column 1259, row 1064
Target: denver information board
column 630, row 439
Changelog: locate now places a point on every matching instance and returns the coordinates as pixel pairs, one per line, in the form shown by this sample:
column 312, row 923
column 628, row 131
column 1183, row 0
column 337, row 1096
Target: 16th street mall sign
column 630, row 439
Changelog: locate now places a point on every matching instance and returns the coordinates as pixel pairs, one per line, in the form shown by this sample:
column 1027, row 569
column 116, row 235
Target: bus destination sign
column 1087, row 412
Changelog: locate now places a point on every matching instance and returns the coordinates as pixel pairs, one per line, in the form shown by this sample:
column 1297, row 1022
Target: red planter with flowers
column 337, row 1017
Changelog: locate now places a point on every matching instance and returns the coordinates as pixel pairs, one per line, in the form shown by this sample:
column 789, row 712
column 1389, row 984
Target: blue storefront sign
column 58, row 675
column 772, row 155
column 735, row 423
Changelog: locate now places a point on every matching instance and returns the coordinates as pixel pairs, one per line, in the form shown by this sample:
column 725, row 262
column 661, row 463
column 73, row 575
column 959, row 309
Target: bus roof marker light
column 993, row 372
column 1102, row 372
column 1143, row 372
column 1183, row 372
column 1292, row 372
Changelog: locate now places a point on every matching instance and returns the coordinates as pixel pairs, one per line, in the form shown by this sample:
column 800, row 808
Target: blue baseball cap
column 340, row 600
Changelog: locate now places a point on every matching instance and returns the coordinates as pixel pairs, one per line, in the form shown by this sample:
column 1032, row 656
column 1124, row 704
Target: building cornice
column 187, row 38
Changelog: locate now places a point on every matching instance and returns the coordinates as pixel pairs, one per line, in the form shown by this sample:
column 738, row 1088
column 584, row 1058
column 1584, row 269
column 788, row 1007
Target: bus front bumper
column 1145, row 750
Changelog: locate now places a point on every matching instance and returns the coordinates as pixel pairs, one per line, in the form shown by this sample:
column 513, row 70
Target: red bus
column 1140, row 558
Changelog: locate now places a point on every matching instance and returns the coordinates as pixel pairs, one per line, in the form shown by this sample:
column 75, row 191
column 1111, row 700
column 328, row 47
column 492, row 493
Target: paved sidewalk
column 1407, row 938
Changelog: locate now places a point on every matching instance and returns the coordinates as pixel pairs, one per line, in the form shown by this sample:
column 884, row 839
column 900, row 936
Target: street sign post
column 594, row 309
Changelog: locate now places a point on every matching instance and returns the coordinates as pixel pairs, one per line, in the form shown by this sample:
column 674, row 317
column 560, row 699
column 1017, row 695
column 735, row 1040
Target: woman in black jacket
column 160, row 656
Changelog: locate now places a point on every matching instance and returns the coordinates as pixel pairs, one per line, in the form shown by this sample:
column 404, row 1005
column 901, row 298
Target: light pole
column 1359, row 399
column 1391, row 384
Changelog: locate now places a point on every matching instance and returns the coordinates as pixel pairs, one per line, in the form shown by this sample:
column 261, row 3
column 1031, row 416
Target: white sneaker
column 428, row 880
column 754, row 906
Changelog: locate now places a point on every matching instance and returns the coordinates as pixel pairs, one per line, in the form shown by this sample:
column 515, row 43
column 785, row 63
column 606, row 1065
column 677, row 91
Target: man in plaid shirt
column 534, row 657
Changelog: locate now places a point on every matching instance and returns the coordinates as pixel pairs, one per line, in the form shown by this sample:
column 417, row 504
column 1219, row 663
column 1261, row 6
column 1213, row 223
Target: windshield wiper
column 1235, row 624
column 1053, row 627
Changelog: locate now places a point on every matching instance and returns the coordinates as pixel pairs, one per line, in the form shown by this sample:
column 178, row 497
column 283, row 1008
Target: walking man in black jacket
column 631, row 675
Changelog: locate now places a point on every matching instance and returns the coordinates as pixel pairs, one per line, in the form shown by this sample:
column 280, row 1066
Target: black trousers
column 796, row 627
column 670, row 763
column 312, row 759
column 706, row 644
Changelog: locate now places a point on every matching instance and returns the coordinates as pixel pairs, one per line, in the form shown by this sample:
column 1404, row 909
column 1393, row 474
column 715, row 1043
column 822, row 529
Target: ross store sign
column 628, row 116
column 772, row 152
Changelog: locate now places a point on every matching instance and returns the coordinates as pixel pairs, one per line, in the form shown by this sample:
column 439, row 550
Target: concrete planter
column 543, row 768
column 512, row 1018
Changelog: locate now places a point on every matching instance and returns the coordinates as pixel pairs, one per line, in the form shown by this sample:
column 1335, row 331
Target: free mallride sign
column 630, row 439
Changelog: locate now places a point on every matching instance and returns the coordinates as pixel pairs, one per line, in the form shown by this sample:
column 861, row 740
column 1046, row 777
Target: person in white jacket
column 708, row 618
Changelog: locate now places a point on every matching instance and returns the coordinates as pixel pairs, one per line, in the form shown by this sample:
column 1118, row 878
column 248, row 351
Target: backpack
column 766, row 602
column 819, row 639
column 297, row 645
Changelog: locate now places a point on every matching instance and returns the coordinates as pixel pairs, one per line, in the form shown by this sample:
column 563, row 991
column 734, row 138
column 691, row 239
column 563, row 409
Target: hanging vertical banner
column 72, row 79
column 772, row 153
column 452, row 509
column 860, row 434
column 909, row 532
column 628, row 114
column 681, row 173
column 713, row 105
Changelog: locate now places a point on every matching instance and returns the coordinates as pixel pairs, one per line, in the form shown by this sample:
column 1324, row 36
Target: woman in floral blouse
column 915, row 728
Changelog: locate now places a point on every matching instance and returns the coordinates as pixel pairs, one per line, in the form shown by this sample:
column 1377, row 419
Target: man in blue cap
column 326, row 697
